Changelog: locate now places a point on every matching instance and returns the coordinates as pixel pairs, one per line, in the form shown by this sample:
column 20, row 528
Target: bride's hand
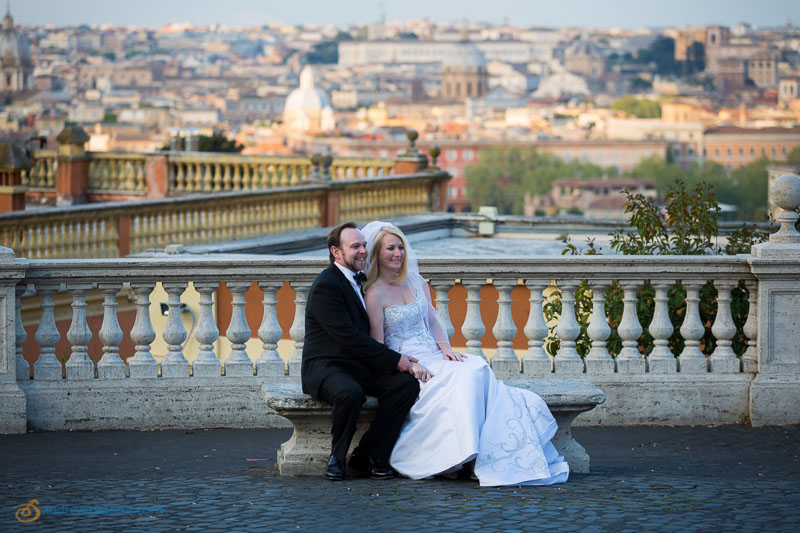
column 420, row 372
column 451, row 355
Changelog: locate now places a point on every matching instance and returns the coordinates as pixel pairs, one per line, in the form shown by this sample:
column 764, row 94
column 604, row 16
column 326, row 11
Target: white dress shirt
column 350, row 275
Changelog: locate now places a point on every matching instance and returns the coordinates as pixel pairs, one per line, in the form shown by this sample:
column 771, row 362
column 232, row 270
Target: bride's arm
column 437, row 329
column 375, row 313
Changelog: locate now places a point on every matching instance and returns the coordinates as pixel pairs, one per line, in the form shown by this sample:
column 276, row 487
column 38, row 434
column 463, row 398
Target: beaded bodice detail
column 404, row 328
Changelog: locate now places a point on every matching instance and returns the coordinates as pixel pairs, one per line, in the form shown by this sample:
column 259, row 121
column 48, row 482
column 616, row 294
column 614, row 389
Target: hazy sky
column 587, row 13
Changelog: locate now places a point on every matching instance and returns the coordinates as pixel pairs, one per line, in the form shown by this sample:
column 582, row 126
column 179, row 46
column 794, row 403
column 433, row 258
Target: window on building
column 741, row 151
column 783, row 149
column 467, row 155
column 453, row 171
column 451, row 155
column 452, row 191
column 716, row 151
column 730, row 151
column 752, row 150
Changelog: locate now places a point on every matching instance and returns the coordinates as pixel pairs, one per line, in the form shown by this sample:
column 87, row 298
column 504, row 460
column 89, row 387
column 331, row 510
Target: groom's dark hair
column 335, row 237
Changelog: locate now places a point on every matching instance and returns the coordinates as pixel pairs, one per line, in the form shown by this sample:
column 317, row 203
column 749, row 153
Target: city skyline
column 580, row 13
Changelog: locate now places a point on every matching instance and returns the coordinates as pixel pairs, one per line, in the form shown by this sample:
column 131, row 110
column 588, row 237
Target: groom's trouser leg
column 346, row 396
column 396, row 394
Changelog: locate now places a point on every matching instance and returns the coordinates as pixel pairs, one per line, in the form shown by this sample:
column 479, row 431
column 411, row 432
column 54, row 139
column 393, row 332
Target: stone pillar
column 13, row 161
column 156, row 175
column 775, row 392
column 13, row 417
column 72, row 176
column 412, row 160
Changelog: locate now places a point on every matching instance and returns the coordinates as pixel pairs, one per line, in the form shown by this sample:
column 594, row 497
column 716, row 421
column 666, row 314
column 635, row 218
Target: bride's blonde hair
column 374, row 251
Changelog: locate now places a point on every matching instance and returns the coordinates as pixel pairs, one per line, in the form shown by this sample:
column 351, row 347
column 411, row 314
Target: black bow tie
column 360, row 278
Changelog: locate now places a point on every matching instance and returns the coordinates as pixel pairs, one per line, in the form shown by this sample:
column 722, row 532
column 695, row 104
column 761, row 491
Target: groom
column 342, row 363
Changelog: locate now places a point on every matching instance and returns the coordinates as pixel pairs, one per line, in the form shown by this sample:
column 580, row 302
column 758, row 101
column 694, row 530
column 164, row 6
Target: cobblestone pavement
column 643, row 479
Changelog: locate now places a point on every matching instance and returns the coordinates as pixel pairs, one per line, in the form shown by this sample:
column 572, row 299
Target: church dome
column 306, row 97
column 465, row 55
column 307, row 108
column 14, row 48
column 583, row 47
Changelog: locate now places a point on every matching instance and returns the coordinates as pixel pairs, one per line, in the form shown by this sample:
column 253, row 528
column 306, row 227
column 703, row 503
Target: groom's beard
column 352, row 265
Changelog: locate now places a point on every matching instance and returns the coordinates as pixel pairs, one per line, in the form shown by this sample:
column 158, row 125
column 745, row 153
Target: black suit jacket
column 337, row 334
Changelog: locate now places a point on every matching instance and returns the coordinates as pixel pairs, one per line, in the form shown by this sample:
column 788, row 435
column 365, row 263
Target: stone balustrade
column 109, row 171
column 42, row 175
column 198, row 172
column 115, row 229
column 50, row 405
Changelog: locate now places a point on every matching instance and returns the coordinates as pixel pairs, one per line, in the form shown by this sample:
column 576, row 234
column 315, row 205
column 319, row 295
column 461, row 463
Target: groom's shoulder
column 328, row 275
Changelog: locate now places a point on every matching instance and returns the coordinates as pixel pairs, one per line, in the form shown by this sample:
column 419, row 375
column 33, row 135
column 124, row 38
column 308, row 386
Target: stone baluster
column 691, row 359
column 630, row 360
column 206, row 364
column 661, row 360
column 238, row 333
column 298, row 329
column 598, row 360
column 567, row 360
column 110, row 365
column 505, row 362
column 750, row 329
column 723, row 359
column 270, row 363
column 23, row 368
column 175, row 364
column 79, row 365
column 47, row 365
column 142, row 364
column 442, row 289
column 536, row 362
column 473, row 328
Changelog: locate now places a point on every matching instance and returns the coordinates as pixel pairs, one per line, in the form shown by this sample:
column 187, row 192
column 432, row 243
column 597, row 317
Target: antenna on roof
column 382, row 9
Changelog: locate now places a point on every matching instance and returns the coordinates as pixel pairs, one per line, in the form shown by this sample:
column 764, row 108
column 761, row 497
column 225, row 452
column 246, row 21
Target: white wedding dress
column 464, row 412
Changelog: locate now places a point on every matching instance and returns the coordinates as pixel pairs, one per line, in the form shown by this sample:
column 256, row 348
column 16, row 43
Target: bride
column 463, row 412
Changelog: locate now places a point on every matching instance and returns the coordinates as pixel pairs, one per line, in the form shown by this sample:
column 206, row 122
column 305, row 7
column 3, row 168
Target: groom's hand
column 404, row 364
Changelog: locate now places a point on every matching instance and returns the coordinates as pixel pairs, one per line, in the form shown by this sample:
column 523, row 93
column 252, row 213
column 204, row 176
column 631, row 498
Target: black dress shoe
column 334, row 470
column 374, row 468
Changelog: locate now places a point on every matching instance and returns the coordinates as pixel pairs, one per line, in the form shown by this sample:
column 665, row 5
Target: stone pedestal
column 13, row 160
column 72, row 175
column 157, row 175
column 13, row 417
column 775, row 393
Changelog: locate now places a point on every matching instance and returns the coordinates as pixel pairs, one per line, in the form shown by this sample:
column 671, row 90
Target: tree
column 639, row 107
column 503, row 176
column 793, row 158
column 661, row 52
column 687, row 226
column 217, row 143
column 326, row 52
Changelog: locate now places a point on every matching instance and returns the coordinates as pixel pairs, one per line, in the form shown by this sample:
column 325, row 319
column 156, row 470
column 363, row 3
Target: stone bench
column 308, row 449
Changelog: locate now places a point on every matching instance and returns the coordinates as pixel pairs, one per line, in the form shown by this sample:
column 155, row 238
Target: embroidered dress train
column 464, row 412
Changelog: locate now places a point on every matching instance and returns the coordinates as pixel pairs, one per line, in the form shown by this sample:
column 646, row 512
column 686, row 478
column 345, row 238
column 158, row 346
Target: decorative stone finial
column 434, row 152
column 785, row 193
column 13, row 158
column 412, row 136
column 327, row 160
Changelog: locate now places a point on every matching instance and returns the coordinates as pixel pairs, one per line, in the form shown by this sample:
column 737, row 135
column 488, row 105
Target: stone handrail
column 43, row 173
column 199, row 172
column 109, row 171
column 116, row 229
